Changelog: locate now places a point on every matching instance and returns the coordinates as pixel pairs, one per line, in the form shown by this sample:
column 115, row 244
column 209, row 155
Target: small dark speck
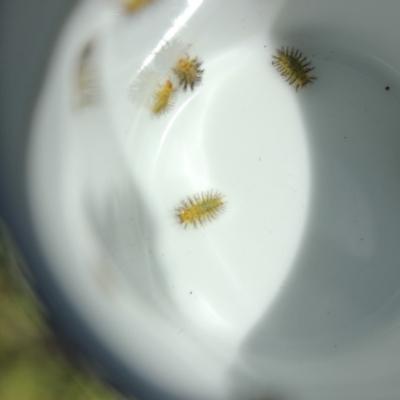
column 335, row 345
column 387, row 88
column 344, row 137
column 265, row 46
column 259, row 159
column 362, row 239
column 191, row 292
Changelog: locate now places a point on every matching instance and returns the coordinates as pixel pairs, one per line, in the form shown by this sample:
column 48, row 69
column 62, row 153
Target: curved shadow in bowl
column 345, row 284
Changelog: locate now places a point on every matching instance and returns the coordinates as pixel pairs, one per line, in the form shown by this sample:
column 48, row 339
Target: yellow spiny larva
column 200, row 208
column 131, row 6
column 163, row 98
column 293, row 66
column 189, row 72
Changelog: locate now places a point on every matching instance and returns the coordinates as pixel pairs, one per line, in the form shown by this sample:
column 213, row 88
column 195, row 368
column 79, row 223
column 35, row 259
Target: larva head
column 169, row 86
column 184, row 64
column 186, row 216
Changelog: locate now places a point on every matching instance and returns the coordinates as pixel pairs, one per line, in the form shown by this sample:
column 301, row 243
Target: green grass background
column 33, row 363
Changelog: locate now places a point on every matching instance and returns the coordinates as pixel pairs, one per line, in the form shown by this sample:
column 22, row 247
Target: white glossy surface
column 294, row 289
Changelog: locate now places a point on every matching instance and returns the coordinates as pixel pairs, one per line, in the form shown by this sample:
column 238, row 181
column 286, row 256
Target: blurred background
column 37, row 363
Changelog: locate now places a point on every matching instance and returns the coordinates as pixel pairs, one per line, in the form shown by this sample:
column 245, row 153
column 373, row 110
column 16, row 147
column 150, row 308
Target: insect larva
column 293, row 66
column 189, row 72
column 131, row 6
column 200, row 208
column 85, row 80
column 163, row 98
column 187, row 69
column 153, row 90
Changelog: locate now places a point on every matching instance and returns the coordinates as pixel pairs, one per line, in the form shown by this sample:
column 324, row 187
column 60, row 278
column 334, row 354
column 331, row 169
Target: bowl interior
column 296, row 283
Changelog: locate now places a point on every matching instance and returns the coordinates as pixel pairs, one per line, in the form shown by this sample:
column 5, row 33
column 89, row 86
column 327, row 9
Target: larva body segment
column 163, row 98
column 200, row 208
column 293, row 66
column 189, row 72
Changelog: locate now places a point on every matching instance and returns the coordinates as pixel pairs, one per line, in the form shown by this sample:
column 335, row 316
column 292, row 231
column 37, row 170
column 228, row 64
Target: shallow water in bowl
column 302, row 263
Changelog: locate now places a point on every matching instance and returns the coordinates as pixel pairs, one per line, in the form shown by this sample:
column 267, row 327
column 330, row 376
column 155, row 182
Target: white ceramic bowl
column 293, row 291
